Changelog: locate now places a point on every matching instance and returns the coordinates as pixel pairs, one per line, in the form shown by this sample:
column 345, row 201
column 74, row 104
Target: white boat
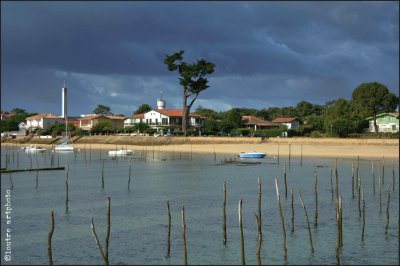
column 64, row 147
column 120, row 152
column 252, row 154
column 34, row 148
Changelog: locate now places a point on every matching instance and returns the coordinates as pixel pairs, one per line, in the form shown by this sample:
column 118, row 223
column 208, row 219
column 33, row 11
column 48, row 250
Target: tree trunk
column 376, row 128
column 184, row 112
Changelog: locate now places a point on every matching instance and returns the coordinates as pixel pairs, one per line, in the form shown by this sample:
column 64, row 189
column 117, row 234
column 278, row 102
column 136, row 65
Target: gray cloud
column 266, row 53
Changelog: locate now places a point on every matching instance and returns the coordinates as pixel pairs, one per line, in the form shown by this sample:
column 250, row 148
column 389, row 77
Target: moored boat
column 252, row 154
column 34, row 148
column 120, row 152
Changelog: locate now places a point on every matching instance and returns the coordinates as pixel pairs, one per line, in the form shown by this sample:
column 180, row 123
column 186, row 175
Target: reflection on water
column 139, row 215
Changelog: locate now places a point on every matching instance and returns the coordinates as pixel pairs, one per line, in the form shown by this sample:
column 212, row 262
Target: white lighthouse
column 160, row 103
column 64, row 101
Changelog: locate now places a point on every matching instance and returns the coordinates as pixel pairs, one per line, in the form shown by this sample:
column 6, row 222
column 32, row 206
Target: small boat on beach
column 34, row 148
column 120, row 153
column 252, row 154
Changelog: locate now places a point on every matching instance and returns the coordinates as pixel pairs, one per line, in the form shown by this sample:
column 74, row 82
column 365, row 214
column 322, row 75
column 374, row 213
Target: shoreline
column 325, row 148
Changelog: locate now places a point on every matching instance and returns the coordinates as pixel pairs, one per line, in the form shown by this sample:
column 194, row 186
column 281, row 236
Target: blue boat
column 252, row 154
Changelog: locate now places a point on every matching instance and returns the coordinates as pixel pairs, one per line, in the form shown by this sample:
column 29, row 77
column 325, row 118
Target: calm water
column 139, row 216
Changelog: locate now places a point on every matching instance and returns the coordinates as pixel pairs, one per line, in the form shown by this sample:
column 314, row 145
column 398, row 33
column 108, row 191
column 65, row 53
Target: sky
column 267, row 53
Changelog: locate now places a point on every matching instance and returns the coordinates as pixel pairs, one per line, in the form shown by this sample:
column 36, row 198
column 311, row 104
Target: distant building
column 5, row 116
column 386, row 122
column 42, row 121
column 88, row 121
column 289, row 122
column 168, row 119
column 257, row 123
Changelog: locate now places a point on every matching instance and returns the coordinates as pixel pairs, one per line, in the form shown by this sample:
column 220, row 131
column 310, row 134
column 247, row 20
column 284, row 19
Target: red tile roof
column 138, row 116
column 91, row 117
column 6, row 115
column 284, row 120
column 39, row 116
column 251, row 120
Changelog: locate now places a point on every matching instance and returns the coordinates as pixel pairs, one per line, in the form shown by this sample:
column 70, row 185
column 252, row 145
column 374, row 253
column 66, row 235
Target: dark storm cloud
column 266, row 53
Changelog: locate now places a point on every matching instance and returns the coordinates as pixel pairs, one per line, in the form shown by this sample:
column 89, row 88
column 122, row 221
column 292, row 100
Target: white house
column 42, row 121
column 289, row 122
column 165, row 118
column 386, row 122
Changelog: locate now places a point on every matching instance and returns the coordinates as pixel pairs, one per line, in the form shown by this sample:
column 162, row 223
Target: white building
column 42, row 121
column 289, row 122
column 161, row 118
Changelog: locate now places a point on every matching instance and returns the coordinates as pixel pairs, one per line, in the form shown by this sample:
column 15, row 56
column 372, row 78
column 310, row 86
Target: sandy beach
column 307, row 147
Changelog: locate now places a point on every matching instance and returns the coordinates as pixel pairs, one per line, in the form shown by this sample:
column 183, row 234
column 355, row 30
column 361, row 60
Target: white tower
column 64, row 102
column 160, row 103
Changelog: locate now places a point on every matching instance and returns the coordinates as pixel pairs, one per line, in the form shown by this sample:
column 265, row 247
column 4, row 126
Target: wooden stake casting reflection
column 282, row 220
column 258, row 250
column 169, row 231
column 224, row 215
column 308, row 223
column 49, row 237
column 184, row 237
column 241, row 234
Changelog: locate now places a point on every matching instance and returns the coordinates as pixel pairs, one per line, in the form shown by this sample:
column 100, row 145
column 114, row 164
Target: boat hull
column 120, row 153
column 252, row 155
column 64, row 148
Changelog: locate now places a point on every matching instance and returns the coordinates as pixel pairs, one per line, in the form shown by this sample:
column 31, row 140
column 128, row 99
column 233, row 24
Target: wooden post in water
column 315, row 197
column 330, row 174
column 90, row 152
column 301, row 155
column 383, row 170
column 337, row 180
column 129, row 178
column 393, row 176
column 341, row 221
column 373, row 176
column 49, row 237
column 215, row 156
column 11, row 182
column 242, row 255
column 387, row 211
column 359, row 192
column 259, row 206
column 184, row 237
column 107, row 229
column 66, row 190
column 258, row 224
column 224, row 215
column 308, row 223
column 100, row 153
column 278, row 154
column 102, row 176
column 292, row 208
column 363, row 214
column 191, row 151
column 282, row 220
column 169, row 231
column 290, row 151
column 352, row 180
column 284, row 179
column 96, row 239
column 380, row 193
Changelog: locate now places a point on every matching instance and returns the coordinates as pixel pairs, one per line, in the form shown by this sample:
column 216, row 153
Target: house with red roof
column 42, row 121
column 5, row 116
column 289, row 122
column 257, row 123
column 168, row 119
